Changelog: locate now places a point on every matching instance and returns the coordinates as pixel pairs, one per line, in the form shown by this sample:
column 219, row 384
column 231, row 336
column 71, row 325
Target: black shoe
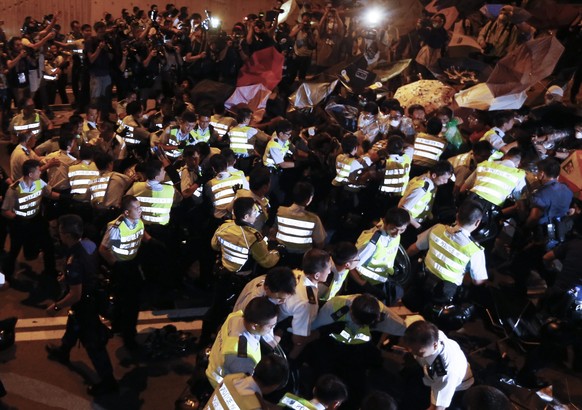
column 57, row 353
column 103, row 387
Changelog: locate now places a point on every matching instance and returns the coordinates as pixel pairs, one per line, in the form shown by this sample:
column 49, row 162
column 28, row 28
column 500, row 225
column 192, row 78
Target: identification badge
column 21, row 78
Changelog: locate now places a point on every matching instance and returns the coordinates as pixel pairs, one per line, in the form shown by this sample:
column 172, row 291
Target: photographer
column 152, row 57
column 232, row 57
column 258, row 37
column 305, row 42
column 196, row 58
column 499, row 36
column 55, row 74
column 18, row 68
column 99, row 52
column 331, row 32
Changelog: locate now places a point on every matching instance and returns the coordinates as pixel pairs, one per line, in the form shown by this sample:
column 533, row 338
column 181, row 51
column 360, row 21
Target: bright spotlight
column 374, row 16
column 214, row 22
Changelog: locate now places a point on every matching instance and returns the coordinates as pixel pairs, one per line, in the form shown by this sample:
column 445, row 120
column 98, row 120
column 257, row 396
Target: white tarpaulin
column 254, row 96
column 308, row 95
column 481, row 98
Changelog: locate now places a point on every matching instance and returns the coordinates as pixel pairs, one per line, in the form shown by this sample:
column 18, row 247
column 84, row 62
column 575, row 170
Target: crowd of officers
column 288, row 265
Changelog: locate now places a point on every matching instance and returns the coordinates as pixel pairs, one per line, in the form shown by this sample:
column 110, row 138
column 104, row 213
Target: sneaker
column 103, row 387
column 57, row 353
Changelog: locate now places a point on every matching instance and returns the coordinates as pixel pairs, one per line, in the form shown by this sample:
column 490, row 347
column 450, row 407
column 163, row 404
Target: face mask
column 394, row 123
column 578, row 134
column 435, row 25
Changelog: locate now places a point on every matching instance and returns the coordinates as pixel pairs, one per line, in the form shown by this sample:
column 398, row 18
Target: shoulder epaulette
column 14, row 185
column 426, row 186
column 311, row 295
column 242, row 347
column 338, row 314
column 438, row 367
column 375, row 237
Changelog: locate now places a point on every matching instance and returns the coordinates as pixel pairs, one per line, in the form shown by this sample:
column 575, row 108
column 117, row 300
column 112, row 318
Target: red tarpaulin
column 264, row 67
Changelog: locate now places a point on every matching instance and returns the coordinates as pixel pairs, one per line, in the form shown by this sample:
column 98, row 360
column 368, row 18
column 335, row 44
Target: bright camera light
column 214, row 22
column 374, row 16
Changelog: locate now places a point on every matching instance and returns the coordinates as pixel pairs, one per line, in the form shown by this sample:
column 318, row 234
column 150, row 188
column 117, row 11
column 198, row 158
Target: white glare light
column 214, row 22
column 374, row 16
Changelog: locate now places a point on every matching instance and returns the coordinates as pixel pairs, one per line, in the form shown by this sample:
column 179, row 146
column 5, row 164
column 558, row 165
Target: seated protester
column 344, row 256
column 297, row 229
column 259, row 185
column 121, row 107
column 450, row 129
column 220, row 189
column 445, row 367
column 502, row 122
column 417, row 116
column 395, row 122
column 130, row 128
column 329, row 393
column 220, row 121
column 421, row 190
column 368, row 125
column 237, row 346
column 377, row 249
column 246, row 391
column 345, row 346
column 465, row 164
column 451, row 252
column 176, row 137
column 278, row 285
column 109, row 142
column 428, row 147
column 302, row 307
column 477, row 126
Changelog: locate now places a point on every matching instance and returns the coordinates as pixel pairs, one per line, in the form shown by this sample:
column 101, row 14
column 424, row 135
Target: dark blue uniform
column 553, row 199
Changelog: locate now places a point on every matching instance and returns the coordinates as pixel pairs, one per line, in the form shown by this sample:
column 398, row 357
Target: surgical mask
column 394, row 123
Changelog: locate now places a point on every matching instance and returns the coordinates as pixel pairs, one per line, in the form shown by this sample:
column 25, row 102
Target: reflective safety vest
column 274, row 144
column 235, row 244
column 380, row 265
column 496, row 181
column 155, row 205
column 128, row 135
column 28, row 203
column 223, row 191
column 174, row 140
column 200, row 137
column 396, row 175
column 130, row 239
column 422, row 207
column 239, row 141
column 295, row 234
column 229, row 345
column 98, row 188
column 296, row 403
column 427, row 149
column 447, row 259
column 335, row 285
column 462, row 160
column 80, row 175
column 33, row 127
column 343, row 166
column 227, row 397
column 220, row 128
column 349, row 336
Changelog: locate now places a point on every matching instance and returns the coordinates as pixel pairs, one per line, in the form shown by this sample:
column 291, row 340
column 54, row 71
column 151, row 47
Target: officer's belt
column 487, row 205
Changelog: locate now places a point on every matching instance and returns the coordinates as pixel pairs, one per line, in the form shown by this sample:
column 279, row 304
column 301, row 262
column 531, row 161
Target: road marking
column 53, row 328
column 45, row 393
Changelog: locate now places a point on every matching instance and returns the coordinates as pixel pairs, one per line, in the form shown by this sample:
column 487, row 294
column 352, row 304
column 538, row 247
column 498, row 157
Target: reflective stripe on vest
column 156, row 205
column 343, row 166
column 295, row 232
column 273, row 143
column 234, row 253
column 446, row 258
column 496, row 181
column 33, row 127
column 98, row 188
column 428, row 148
column 220, row 128
column 396, row 175
column 346, row 337
column 381, row 264
column 204, row 137
column 296, row 403
column 130, row 240
column 223, row 191
column 461, row 160
column 28, row 203
column 80, row 176
column 239, row 141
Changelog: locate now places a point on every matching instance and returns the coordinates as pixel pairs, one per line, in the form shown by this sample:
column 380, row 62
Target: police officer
column 444, row 365
column 83, row 323
column 24, row 151
column 29, row 120
column 547, row 220
column 119, row 248
column 237, row 346
column 377, row 249
column 420, row 192
column 259, row 185
column 278, row 285
column 302, row 307
column 240, row 247
column 345, row 345
column 451, row 252
column 502, row 122
column 203, row 131
column 465, row 164
column 344, row 256
column 428, row 147
column 396, row 173
column 81, row 172
column 329, row 393
column 28, row 228
column 297, row 229
column 175, row 138
column 246, row 391
column 242, row 139
column 220, row 189
column 278, row 148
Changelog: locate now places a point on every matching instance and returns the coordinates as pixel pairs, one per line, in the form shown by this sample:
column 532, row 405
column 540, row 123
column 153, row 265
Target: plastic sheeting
column 252, row 96
column 571, row 173
column 308, row 95
column 480, row 97
column 264, row 67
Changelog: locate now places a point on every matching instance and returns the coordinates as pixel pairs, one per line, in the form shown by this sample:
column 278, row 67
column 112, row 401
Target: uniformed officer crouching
column 83, row 323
